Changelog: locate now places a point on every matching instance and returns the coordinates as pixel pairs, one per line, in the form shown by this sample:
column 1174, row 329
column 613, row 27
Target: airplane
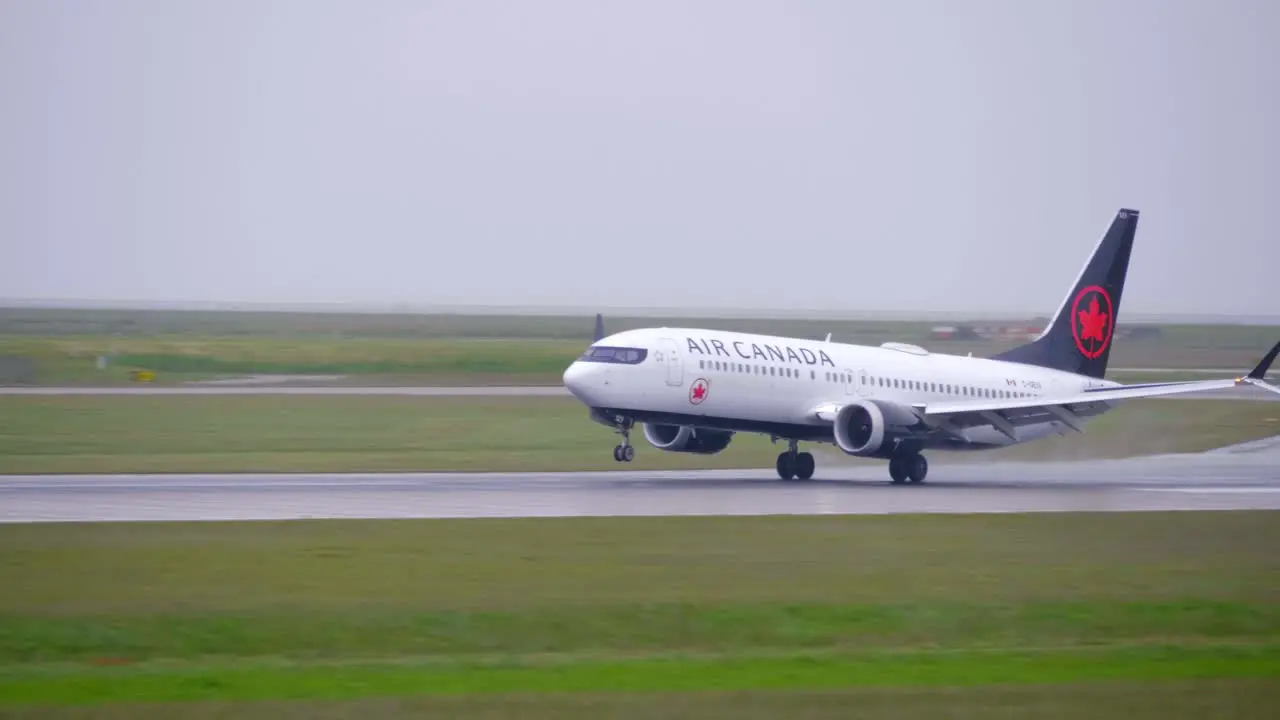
column 693, row 389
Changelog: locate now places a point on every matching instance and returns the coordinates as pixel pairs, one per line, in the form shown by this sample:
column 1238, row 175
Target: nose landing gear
column 795, row 464
column 625, row 452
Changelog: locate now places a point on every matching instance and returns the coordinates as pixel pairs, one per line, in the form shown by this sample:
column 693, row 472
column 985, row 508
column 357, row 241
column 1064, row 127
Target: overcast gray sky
column 893, row 155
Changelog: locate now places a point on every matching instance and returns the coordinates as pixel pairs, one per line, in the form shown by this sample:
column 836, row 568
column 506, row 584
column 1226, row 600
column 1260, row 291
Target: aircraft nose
column 583, row 380
column 575, row 378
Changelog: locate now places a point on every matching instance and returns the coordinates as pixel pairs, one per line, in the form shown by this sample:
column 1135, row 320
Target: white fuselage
column 783, row 386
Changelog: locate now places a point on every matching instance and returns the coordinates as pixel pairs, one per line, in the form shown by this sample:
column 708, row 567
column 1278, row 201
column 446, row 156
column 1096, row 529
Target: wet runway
column 1247, row 477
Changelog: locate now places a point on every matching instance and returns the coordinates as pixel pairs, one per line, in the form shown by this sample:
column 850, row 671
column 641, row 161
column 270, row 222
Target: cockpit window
column 623, row 355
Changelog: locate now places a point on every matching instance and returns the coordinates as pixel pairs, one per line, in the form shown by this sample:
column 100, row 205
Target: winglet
column 1260, row 372
column 599, row 335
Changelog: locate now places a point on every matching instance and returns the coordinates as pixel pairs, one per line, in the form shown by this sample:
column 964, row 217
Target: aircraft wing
column 1006, row 415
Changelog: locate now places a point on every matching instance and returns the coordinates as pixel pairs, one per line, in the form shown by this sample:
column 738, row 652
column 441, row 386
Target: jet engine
column 682, row 438
column 870, row 427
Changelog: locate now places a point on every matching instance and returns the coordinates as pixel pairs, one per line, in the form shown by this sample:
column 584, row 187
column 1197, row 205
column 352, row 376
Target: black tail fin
column 1079, row 337
column 599, row 335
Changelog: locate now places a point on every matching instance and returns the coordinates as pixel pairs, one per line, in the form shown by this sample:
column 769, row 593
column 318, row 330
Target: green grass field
column 1080, row 615
column 85, row 434
column 62, row 346
column 176, row 360
column 427, row 362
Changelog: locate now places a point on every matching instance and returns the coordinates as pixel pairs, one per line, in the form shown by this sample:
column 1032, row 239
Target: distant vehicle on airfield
column 693, row 389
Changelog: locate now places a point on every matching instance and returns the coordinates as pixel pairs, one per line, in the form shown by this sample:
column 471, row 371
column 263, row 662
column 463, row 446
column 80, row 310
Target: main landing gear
column 908, row 466
column 795, row 464
column 625, row 452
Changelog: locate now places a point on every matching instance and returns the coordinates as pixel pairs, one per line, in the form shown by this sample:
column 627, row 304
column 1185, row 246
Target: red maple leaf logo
column 1093, row 324
column 699, row 391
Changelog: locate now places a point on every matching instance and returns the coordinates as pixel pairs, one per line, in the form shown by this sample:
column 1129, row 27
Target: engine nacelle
column 682, row 438
column 869, row 427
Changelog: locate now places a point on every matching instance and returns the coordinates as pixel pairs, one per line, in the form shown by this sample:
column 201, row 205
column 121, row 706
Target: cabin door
column 669, row 352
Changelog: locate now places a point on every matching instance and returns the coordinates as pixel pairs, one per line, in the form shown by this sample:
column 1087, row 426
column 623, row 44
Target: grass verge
column 1240, row 699
column 726, row 674
column 538, row 611
column 73, row 434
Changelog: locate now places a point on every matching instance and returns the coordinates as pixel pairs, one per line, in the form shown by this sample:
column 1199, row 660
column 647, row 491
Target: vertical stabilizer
column 1079, row 337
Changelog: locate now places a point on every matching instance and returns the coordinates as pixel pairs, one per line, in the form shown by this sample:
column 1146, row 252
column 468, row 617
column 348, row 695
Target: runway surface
column 1242, row 393
column 1246, row 477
